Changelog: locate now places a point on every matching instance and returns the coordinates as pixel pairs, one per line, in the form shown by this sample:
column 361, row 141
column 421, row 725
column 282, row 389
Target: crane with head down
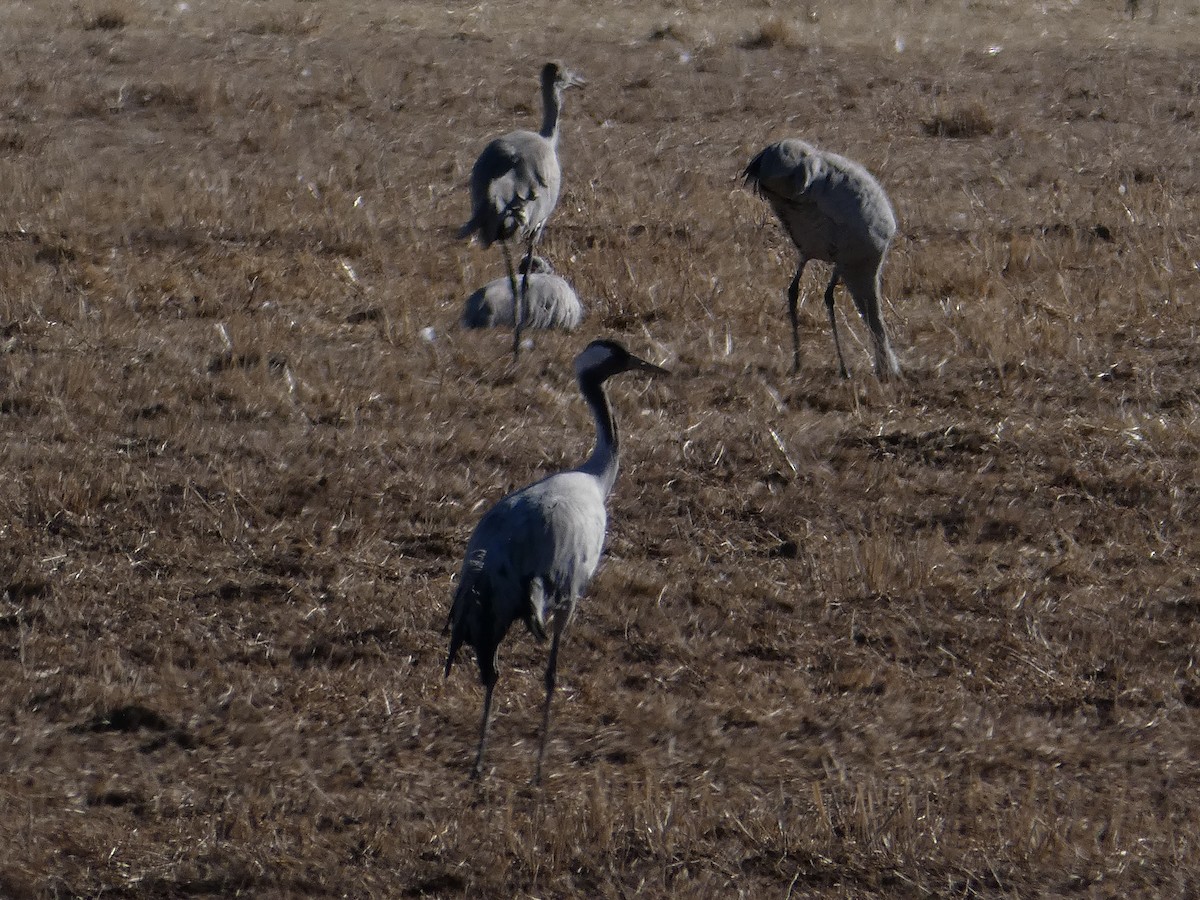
column 551, row 302
column 834, row 211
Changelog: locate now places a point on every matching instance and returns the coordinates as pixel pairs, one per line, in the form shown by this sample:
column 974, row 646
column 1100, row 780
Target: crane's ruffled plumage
column 515, row 184
column 533, row 552
column 834, row 211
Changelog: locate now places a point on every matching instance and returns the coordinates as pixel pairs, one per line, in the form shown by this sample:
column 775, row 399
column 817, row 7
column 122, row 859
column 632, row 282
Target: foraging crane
column 534, row 552
column 551, row 303
column 834, row 211
column 515, row 185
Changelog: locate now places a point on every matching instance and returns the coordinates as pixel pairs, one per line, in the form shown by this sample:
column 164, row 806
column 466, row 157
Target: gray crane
column 552, row 303
column 534, row 552
column 515, row 185
column 834, row 211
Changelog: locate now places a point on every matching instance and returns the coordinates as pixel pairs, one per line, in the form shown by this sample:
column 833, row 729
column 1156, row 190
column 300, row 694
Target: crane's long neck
column 551, row 106
column 604, row 459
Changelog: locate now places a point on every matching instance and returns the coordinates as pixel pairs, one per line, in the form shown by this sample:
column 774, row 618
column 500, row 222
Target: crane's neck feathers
column 551, row 107
column 596, row 363
column 605, row 458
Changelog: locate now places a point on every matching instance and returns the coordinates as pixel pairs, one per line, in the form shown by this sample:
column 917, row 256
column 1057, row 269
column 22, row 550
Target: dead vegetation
column 774, row 32
column 967, row 120
column 934, row 638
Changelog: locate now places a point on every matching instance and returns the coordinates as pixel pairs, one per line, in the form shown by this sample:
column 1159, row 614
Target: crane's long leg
column 837, row 344
column 793, row 311
column 864, row 288
column 560, row 621
column 521, row 314
column 512, row 283
column 490, row 685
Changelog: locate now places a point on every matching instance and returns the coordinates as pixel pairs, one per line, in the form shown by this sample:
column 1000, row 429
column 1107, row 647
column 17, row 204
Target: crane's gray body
column 552, row 303
column 834, row 211
column 531, row 555
column 831, row 207
column 514, row 187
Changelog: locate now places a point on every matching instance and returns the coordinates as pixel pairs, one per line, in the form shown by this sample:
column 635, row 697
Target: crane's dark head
column 556, row 75
column 535, row 265
column 604, row 358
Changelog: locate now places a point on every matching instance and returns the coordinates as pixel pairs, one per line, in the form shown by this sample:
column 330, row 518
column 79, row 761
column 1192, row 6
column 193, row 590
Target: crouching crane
column 551, row 301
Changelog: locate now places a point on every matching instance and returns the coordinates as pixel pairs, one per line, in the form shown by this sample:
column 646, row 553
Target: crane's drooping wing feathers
column 534, row 550
column 806, row 185
column 514, row 186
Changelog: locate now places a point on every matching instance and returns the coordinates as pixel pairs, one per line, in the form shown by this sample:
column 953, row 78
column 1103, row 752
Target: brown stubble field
column 851, row 639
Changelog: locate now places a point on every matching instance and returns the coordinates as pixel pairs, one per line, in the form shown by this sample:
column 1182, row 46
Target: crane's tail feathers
column 509, row 225
column 459, row 622
column 536, row 617
column 751, row 175
column 455, row 643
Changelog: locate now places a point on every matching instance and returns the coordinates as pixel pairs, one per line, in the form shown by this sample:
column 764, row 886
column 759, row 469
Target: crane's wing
column 565, row 526
column 510, row 183
column 532, row 552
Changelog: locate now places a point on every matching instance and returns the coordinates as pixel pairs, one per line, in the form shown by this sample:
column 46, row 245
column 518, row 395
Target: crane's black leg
column 793, row 311
column 864, row 288
column 489, row 685
column 560, row 621
column 524, row 305
column 512, row 283
column 837, row 344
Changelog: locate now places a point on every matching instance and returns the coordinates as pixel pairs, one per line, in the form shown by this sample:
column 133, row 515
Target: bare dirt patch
column 929, row 638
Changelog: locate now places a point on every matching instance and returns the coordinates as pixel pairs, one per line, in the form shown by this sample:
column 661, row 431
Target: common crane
column 532, row 554
column 552, row 302
column 515, row 184
column 834, row 211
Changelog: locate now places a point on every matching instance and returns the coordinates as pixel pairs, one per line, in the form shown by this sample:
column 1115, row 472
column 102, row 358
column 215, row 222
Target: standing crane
column 551, row 301
column 532, row 554
column 515, row 185
column 834, row 211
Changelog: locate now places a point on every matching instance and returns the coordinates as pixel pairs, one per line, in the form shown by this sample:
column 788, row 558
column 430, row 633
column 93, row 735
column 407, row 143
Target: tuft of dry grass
column 966, row 120
column 774, row 32
column 105, row 18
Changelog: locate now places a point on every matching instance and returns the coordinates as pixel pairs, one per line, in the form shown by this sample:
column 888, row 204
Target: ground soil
column 929, row 637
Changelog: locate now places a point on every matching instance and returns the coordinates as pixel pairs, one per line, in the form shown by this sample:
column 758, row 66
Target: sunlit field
column 934, row 636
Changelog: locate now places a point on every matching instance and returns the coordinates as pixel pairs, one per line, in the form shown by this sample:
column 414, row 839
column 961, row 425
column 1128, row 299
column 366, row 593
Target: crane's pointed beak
column 637, row 364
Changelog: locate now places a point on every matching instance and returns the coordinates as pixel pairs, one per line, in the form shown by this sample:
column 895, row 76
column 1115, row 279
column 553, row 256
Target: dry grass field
column 935, row 637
